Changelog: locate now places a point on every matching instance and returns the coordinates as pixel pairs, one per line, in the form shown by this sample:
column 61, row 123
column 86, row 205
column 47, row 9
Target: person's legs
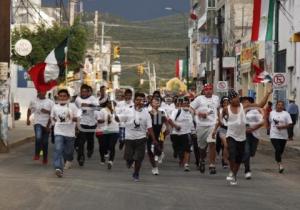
column 113, row 138
column 150, row 153
column 45, row 145
column 81, row 143
column 282, row 146
column 247, row 153
column 38, row 130
column 58, row 152
column 90, row 140
column 69, row 149
column 196, row 149
column 102, row 147
column 277, row 147
column 138, row 157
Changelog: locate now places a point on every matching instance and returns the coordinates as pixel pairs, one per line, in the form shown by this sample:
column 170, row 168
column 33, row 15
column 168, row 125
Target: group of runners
column 203, row 125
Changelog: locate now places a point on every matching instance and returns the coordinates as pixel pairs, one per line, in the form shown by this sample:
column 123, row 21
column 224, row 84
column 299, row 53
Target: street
column 27, row 184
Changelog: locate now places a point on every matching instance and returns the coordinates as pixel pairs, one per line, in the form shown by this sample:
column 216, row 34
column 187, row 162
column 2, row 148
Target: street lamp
column 185, row 26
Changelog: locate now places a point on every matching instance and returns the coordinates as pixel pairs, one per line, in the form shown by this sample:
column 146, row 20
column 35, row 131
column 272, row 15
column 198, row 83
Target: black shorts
column 236, row 150
column 183, row 142
column 135, row 150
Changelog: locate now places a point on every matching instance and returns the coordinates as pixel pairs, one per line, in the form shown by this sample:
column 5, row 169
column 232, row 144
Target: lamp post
column 185, row 27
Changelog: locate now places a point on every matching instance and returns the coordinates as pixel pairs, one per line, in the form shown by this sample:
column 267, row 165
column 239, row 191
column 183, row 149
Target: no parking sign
column 222, row 86
column 279, row 81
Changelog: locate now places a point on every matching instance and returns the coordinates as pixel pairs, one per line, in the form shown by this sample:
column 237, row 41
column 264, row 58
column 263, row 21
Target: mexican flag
column 263, row 20
column 45, row 74
column 261, row 76
column 181, row 69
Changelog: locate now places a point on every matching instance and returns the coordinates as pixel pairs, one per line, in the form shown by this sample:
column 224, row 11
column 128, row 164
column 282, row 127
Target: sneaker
column 81, row 161
column 135, row 177
column 202, row 166
column 212, row 170
column 233, row 182
column 68, row 165
column 45, row 161
column 248, row 175
column 109, row 165
column 36, row 157
column 229, row 176
column 106, row 155
column 155, row 171
column 161, row 157
column 224, row 164
column 59, row 173
column 186, row 167
column 281, row 169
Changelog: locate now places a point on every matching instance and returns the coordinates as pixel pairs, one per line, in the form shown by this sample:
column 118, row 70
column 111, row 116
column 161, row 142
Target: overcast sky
column 133, row 9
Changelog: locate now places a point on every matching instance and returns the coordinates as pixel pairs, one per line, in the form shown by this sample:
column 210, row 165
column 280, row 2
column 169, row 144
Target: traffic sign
column 279, row 81
column 222, row 86
column 23, row 47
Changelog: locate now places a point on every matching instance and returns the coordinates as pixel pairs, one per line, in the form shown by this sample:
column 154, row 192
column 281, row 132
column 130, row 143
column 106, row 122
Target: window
column 281, row 61
column 211, row 3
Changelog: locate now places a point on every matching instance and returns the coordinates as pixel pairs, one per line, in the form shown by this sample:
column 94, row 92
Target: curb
column 21, row 142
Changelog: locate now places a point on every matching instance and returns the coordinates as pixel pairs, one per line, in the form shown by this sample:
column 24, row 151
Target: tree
column 44, row 40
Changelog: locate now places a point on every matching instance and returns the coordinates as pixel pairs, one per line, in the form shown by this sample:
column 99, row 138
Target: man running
column 41, row 108
column 87, row 103
column 138, row 123
column 64, row 115
column 205, row 108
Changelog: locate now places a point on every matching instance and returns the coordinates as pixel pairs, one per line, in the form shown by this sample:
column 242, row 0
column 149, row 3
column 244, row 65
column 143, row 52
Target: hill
column 162, row 34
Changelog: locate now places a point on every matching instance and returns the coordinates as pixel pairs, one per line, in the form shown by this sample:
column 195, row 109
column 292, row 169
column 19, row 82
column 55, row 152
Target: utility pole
column 276, row 38
column 5, row 12
column 72, row 6
column 220, row 21
column 187, row 67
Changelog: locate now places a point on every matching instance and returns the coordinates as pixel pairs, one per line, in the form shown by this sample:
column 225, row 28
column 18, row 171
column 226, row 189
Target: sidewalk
column 294, row 145
column 20, row 134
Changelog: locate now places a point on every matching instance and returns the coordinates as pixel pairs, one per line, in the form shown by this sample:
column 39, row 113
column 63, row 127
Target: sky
column 134, row 9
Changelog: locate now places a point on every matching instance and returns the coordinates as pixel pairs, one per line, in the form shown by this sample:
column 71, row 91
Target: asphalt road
column 25, row 184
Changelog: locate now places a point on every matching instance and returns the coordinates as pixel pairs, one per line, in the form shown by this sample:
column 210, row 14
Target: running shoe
column 186, row 167
column 224, row 164
column 45, row 161
column 155, row 171
column 68, row 165
column 233, row 182
column 212, row 170
column 59, row 173
column 281, row 169
column 36, row 157
column 161, row 157
column 202, row 166
column 135, row 177
column 248, row 175
column 81, row 160
column 229, row 176
column 109, row 165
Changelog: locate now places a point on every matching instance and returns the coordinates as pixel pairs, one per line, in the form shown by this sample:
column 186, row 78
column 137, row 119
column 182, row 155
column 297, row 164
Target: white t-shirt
column 103, row 114
column 254, row 118
column 206, row 105
column 121, row 107
column 36, row 107
column 137, row 123
column 87, row 116
column 168, row 108
column 184, row 121
column 279, row 118
column 64, row 115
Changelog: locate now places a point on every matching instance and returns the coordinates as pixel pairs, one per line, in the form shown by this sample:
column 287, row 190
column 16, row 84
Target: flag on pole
column 45, row 74
column 181, row 69
column 193, row 14
column 261, row 76
column 263, row 20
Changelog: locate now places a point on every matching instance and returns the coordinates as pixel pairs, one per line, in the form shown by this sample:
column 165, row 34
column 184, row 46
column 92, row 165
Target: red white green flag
column 263, row 20
column 44, row 75
column 181, row 69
